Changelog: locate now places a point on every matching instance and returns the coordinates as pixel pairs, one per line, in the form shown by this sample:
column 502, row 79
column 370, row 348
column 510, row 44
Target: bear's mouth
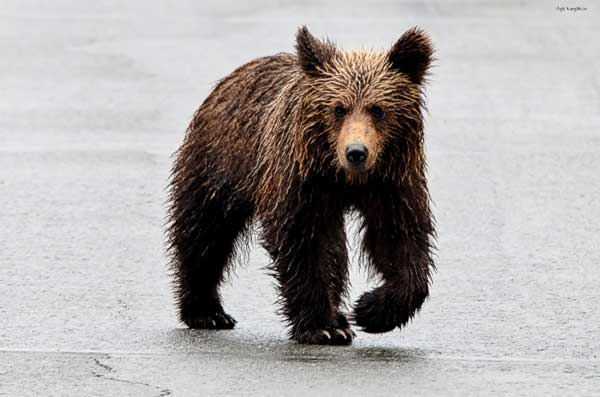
column 354, row 175
column 359, row 169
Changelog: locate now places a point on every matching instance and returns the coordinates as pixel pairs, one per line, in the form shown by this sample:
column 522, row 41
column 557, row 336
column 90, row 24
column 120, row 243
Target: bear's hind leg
column 203, row 234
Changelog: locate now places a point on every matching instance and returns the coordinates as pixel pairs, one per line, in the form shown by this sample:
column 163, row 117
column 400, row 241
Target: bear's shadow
column 232, row 342
column 303, row 353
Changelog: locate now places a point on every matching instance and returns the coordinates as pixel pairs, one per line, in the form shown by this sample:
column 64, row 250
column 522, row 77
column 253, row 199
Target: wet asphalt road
column 95, row 97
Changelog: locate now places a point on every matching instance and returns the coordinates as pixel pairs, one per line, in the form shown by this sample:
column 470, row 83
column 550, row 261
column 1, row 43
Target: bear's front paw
column 214, row 320
column 329, row 336
column 339, row 333
column 373, row 313
column 382, row 309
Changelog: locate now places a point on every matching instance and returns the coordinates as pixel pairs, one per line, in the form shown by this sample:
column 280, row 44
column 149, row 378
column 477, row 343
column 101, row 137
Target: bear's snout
column 356, row 154
column 358, row 144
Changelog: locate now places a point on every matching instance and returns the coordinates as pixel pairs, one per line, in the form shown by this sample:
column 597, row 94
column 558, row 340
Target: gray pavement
column 96, row 95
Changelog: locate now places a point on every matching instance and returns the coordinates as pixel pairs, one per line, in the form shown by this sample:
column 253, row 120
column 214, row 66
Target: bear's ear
column 412, row 54
column 313, row 54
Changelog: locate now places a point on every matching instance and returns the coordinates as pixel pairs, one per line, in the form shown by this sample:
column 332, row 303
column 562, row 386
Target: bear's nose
column 356, row 153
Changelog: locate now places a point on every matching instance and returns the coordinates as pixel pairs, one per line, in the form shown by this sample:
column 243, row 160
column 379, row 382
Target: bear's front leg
column 397, row 241
column 310, row 264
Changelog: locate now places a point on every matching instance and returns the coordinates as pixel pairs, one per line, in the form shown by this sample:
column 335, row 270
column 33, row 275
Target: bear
column 287, row 145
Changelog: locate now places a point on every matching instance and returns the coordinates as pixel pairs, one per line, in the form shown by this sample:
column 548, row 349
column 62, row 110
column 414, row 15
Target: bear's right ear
column 313, row 54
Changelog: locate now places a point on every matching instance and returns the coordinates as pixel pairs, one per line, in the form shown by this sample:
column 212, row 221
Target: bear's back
column 252, row 87
column 232, row 123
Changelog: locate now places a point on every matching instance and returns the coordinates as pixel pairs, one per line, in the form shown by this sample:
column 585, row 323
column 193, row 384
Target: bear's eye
column 376, row 111
column 339, row 111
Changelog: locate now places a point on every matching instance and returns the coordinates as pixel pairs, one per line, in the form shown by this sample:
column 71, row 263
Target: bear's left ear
column 412, row 54
column 313, row 54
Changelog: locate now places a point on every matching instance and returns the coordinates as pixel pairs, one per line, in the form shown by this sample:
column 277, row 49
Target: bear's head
column 368, row 106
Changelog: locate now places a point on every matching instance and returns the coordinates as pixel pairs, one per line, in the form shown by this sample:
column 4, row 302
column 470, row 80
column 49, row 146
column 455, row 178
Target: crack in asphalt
column 162, row 391
column 105, row 366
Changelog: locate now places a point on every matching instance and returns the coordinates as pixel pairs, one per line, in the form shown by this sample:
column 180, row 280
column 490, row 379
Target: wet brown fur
column 266, row 148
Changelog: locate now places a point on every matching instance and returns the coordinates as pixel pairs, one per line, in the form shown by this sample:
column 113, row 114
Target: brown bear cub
column 291, row 143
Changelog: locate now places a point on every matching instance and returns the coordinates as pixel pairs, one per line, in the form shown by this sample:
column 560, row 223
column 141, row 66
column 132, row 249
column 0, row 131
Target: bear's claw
column 338, row 333
column 328, row 336
column 216, row 320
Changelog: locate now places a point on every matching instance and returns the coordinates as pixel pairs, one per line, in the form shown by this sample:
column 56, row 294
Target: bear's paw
column 215, row 320
column 380, row 311
column 326, row 336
